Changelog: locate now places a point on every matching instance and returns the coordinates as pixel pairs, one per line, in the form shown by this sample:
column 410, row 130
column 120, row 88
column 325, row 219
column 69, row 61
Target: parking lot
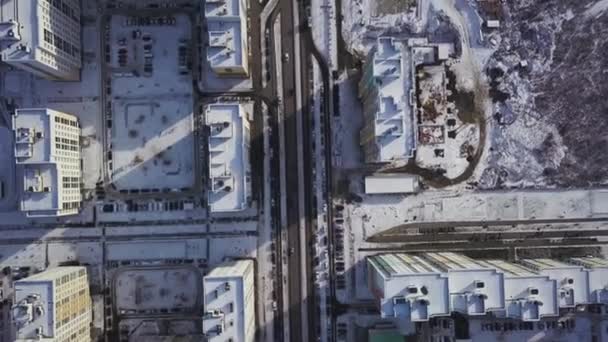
column 150, row 103
column 8, row 199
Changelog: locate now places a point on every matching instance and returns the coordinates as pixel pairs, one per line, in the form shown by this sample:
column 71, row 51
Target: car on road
column 285, row 57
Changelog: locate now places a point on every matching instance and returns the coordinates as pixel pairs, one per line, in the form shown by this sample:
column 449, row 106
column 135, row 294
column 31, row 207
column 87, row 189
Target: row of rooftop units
column 414, row 288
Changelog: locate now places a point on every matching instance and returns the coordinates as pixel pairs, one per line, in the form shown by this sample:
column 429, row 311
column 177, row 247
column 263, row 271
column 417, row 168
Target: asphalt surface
column 294, row 185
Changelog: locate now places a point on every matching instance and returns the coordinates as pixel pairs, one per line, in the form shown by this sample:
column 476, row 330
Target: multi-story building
column 475, row 288
column 229, row 166
column 54, row 305
column 528, row 295
column 598, row 278
column 413, row 288
column 230, row 302
column 47, row 152
column 572, row 283
column 228, row 51
column 388, row 132
column 409, row 289
column 387, row 91
column 42, row 37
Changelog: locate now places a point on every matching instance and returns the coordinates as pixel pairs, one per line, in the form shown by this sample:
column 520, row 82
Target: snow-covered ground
column 321, row 19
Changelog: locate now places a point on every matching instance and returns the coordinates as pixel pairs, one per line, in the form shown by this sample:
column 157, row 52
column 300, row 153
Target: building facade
column 229, row 166
column 230, row 302
column 42, row 37
column 228, row 48
column 47, row 153
column 54, row 305
column 438, row 284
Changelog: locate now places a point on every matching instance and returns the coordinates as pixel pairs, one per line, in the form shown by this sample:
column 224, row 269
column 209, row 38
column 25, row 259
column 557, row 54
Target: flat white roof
column 229, row 168
column 572, row 280
column 598, row 277
column 227, row 35
column 394, row 122
column 37, row 291
column 528, row 295
column 391, row 184
column 30, row 295
column 229, row 296
column 32, row 129
column 225, row 47
column 412, row 289
column 530, row 290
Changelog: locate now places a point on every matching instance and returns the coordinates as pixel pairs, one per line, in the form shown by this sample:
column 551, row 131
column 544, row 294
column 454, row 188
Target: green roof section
column 385, row 336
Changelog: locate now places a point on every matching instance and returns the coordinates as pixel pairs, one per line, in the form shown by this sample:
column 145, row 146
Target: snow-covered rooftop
column 528, row 296
column 151, row 137
column 409, row 288
column 598, row 277
column 572, row 280
column 229, row 302
column 226, row 28
column 28, row 296
column 229, row 168
column 475, row 288
column 532, row 289
column 392, row 81
column 391, row 184
column 36, row 161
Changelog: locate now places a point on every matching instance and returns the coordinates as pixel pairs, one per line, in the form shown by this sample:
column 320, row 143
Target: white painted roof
column 391, row 184
column 228, row 156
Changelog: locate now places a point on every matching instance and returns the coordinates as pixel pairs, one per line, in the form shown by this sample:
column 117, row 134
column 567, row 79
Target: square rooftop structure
column 408, row 287
column 528, row 295
column 385, row 89
column 230, row 302
column 53, row 306
column 47, row 153
column 474, row 287
column 228, row 50
column 42, row 37
column 229, row 167
column 572, row 282
column 597, row 269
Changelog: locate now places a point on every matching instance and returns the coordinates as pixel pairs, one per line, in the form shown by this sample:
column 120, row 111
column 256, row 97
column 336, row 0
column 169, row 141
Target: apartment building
column 42, row 37
column 229, row 166
column 54, row 305
column 47, row 153
column 228, row 49
column 230, row 302
column 412, row 288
